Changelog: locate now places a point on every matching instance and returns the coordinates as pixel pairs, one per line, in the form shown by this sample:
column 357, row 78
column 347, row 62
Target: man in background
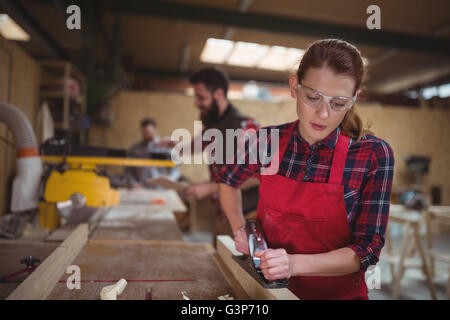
column 150, row 147
column 217, row 112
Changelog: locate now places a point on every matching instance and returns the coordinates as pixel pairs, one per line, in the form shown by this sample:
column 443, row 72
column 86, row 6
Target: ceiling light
column 281, row 58
column 429, row 92
column 216, row 50
column 247, row 54
column 10, row 30
column 444, row 90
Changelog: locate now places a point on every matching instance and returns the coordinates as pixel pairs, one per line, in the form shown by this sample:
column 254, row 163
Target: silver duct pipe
column 19, row 125
column 25, row 193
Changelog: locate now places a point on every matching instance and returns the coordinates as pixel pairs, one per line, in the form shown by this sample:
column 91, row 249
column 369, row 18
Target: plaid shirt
column 367, row 181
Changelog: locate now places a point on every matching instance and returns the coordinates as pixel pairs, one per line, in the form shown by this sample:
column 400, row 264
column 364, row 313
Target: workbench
column 168, row 267
column 140, row 242
column 11, row 252
column 137, row 218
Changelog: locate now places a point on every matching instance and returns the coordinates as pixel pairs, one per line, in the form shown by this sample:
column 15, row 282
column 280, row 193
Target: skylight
column 281, row 58
column 442, row 91
column 216, row 50
column 10, row 30
column 252, row 55
column 247, row 54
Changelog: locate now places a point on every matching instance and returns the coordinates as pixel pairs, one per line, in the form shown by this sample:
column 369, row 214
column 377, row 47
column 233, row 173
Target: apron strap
column 339, row 157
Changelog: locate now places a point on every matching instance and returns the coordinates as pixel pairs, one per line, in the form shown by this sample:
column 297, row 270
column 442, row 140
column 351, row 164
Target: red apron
column 309, row 218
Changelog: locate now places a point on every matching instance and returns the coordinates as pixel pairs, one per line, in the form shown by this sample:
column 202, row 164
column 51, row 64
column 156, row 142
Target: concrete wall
column 408, row 131
column 19, row 84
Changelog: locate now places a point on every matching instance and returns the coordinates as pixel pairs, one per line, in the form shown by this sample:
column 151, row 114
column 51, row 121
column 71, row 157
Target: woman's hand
column 275, row 264
column 241, row 242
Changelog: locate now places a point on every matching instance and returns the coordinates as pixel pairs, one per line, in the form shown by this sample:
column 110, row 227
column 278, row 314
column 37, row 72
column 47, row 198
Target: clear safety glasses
column 314, row 99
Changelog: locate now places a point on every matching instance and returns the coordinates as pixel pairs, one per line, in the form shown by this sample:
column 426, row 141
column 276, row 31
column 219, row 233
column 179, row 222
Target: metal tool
column 13, row 225
column 29, row 261
column 256, row 243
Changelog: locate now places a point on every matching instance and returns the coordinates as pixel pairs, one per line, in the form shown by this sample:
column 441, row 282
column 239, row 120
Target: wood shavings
column 111, row 292
column 226, row 297
column 185, row 297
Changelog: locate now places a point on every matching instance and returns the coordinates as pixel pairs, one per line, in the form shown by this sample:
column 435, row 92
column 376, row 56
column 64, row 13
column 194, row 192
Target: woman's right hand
column 240, row 240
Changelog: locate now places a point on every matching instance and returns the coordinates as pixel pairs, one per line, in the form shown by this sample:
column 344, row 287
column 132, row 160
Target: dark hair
column 212, row 77
column 343, row 58
column 148, row 122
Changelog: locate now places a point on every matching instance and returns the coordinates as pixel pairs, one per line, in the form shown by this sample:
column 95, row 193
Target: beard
column 211, row 116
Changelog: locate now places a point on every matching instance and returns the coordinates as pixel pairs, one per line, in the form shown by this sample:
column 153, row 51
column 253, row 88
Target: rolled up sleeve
column 369, row 228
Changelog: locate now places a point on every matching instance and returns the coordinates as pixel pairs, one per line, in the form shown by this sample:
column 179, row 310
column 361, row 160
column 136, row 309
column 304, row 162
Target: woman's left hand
column 275, row 264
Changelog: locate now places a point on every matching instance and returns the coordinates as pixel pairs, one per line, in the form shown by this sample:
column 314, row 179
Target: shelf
column 55, row 94
column 52, row 73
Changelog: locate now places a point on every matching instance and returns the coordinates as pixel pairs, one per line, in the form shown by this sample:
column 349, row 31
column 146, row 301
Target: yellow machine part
column 96, row 189
column 48, row 215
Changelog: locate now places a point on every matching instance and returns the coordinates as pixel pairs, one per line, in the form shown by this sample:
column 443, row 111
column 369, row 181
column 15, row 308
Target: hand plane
column 256, row 243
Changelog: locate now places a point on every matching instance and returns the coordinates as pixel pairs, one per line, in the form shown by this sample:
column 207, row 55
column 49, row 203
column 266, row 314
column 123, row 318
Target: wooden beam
column 226, row 249
column 240, row 293
column 42, row 281
column 280, row 24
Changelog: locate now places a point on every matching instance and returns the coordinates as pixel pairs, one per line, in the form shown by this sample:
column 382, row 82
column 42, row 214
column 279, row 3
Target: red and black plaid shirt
column 367, row 181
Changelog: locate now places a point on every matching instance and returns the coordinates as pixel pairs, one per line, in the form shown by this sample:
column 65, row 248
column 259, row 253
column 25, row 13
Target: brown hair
column 212, row 77
column 343, row 58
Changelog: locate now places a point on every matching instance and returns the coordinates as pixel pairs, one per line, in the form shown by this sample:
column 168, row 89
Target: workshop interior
column 90, row 212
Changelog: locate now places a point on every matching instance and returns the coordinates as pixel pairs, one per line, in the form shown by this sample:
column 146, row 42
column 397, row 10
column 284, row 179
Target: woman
column 325, row 211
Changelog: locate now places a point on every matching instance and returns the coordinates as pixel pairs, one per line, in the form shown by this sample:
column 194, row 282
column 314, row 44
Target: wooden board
column 137, row 223
column 11, row 252
column 145, row 197
column 226, row 249
column 42, row 281
column 61, row 233
column 149, row 260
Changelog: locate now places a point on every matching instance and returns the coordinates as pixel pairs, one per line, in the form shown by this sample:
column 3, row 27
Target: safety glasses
column 314, row 99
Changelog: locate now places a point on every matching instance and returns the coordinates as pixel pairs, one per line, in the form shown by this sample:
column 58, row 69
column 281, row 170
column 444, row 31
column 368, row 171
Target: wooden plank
column 61, row 233
column 42, row 281
column 226, row 249
column 148, row 260
column 234, row 283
